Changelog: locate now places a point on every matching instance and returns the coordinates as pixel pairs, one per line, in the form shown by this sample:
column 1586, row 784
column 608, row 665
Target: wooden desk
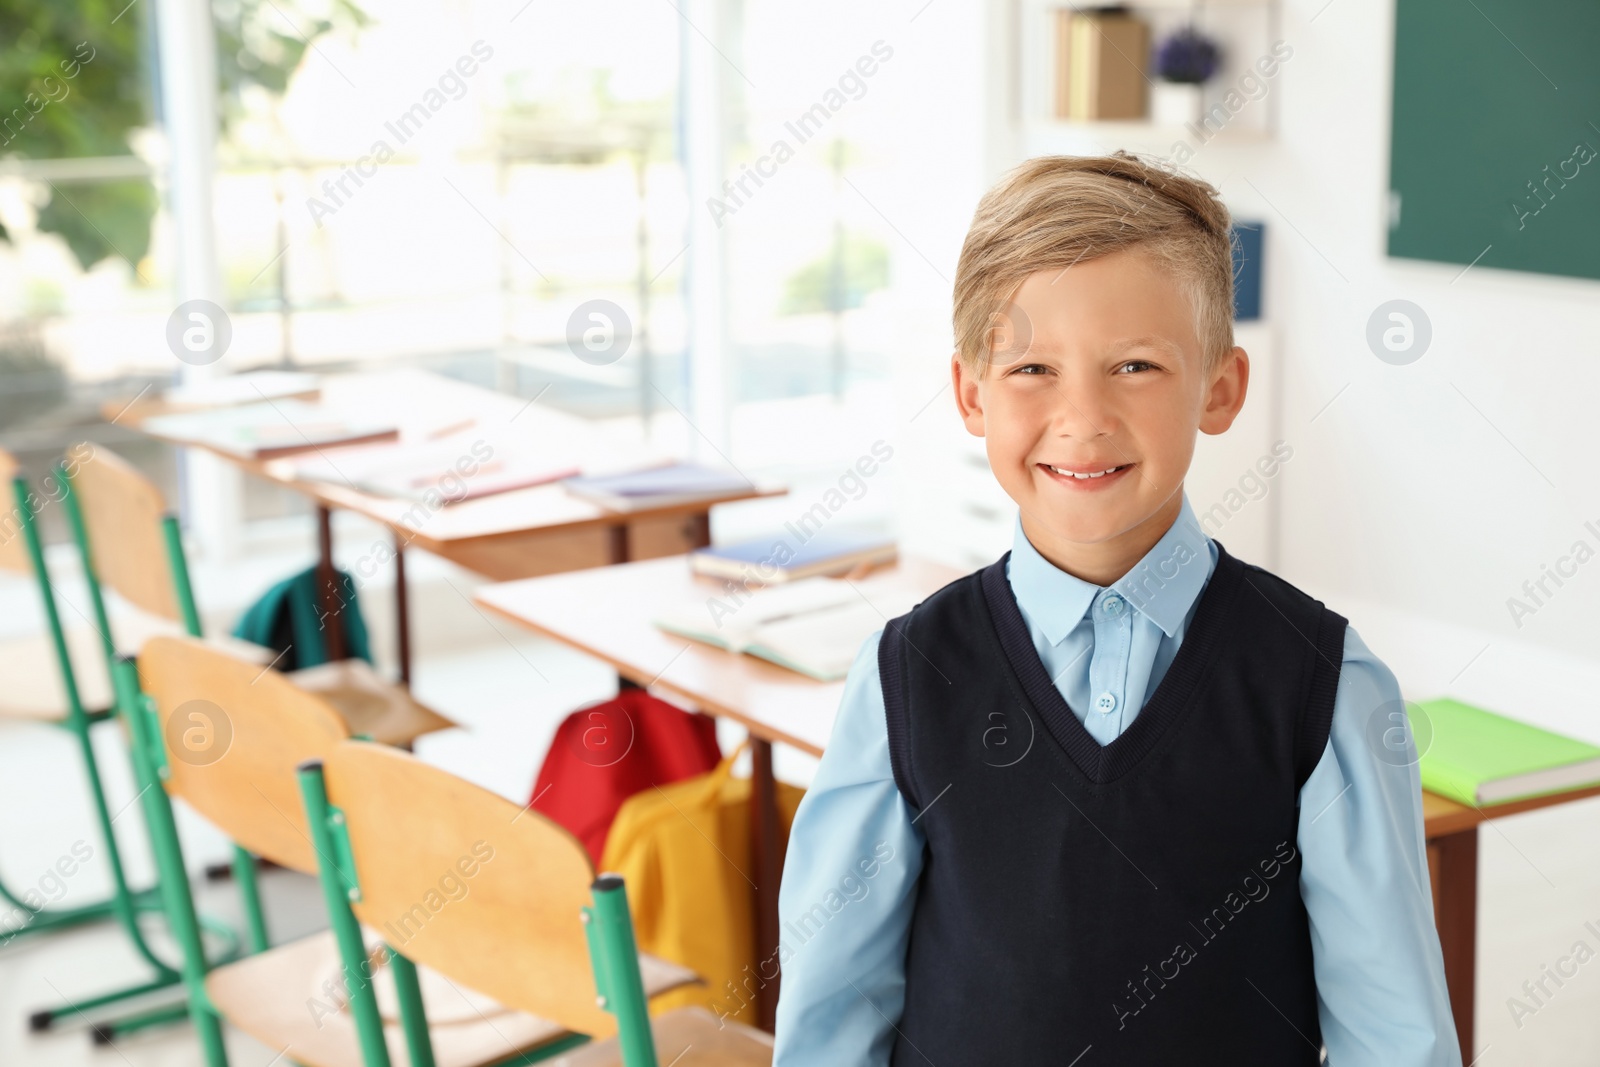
column 606, row 613
column 539, row 530
column 1452, row 833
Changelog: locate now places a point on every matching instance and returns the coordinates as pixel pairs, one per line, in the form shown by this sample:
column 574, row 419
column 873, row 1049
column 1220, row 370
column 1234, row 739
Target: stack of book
column 792, row 555
column 1101, row 58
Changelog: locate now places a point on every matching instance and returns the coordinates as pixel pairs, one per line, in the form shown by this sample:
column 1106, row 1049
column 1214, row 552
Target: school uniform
column 1149, row 823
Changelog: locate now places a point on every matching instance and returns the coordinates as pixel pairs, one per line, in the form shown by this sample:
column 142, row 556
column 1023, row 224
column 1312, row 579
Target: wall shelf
column 1246, row 30
column 1053, row 137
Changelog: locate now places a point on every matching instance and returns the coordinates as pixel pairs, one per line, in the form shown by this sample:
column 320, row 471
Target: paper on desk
column 814, row 626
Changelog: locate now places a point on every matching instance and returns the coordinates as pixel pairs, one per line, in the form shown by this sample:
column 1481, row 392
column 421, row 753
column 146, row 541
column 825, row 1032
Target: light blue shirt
column 1381, row 993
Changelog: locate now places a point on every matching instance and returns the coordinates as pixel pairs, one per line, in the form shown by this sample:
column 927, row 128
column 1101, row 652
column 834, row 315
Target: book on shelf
column 249, row 387
column 790, row 556
column 814, row 626
column 1477, row 757
column 447, row 470
column 658, row 486
column 1101, row 61
column 270, row 429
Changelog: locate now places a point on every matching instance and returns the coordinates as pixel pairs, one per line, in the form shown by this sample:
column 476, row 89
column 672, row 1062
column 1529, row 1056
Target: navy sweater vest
column 1139, row 899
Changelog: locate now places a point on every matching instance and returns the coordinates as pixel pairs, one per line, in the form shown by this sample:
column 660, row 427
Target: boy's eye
column 1135, row 366
column 1031, row 368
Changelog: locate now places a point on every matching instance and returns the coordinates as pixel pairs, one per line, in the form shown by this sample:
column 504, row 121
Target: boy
column 1110, row 800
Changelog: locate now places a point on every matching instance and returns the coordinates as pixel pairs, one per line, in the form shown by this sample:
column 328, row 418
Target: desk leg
column 766, row 853
column 1454, row 859
column 402, row 612
column 327, row 583
column 700, row 529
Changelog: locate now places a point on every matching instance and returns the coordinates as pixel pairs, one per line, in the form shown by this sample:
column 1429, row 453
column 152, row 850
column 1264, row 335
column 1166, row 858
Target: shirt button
column 1105, row 702
column 1113, row 605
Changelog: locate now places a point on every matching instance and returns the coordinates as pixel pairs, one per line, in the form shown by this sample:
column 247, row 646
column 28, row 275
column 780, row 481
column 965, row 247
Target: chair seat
column 688, row 1037
column 368, row 704
column 275, row 997
column 32, row 674
column 33, row 679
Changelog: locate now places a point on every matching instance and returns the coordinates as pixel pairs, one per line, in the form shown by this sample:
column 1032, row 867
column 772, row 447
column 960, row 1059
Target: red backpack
column 606, row 752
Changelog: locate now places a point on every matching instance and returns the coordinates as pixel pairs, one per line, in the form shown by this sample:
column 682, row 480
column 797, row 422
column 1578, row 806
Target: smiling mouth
column 1084, row 476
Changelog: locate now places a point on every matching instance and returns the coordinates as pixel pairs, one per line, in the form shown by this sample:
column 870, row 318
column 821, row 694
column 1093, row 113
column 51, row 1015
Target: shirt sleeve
column 1381, row 993
column 849, row 887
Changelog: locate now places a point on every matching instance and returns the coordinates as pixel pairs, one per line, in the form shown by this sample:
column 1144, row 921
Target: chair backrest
column 13, row 546
column 122, row 517
column 466, row 882
column 234, row 733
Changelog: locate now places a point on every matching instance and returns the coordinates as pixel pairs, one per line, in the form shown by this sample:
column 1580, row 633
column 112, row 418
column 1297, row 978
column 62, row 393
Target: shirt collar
column 1162, row 586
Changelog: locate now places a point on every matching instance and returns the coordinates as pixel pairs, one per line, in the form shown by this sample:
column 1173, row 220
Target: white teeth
column 1084, row 477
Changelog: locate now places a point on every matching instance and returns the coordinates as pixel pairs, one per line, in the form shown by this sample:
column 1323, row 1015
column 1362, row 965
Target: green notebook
column 1478, row 757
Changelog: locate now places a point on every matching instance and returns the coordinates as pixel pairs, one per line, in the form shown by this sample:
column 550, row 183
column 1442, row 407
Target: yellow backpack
column 684, row 850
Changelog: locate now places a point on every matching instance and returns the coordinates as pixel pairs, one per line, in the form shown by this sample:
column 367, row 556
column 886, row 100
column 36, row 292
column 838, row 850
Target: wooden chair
column 503, row 901
column 251, row 727
column 130, row 543
column 36, row 686
column 59, row 678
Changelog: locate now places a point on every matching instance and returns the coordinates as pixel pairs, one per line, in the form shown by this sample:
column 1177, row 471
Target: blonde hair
column 1055, row 211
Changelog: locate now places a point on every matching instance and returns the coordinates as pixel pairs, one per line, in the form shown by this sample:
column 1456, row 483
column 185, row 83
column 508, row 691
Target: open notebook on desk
column 463, row 465
column 814, row 626
column 250, row 387
column 271, row 428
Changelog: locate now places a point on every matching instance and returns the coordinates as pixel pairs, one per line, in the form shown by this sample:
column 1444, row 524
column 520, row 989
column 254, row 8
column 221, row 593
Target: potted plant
column 1184, row 62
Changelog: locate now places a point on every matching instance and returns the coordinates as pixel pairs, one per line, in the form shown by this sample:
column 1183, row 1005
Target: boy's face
column 1098, row 372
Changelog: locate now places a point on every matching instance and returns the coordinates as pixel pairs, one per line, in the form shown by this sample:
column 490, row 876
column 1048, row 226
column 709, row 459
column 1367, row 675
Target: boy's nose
column 1081, row 411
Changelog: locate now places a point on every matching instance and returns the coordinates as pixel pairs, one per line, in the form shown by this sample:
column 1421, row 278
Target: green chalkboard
column 1495, row 150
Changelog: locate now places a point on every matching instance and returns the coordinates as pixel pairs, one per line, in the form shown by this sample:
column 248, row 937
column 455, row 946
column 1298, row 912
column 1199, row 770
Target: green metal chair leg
column 108, row 1032
column 124, row 903
column 78, row 722
column 414, row 1022
column 46, row 1018
column 346, row 931
column 122, row 899
column 244, row 873
column 43, row 920
column 413, row 1016
column 244, row 864
column 149, row 764
column 179, row 563
column 614, row 955
column 167, row 978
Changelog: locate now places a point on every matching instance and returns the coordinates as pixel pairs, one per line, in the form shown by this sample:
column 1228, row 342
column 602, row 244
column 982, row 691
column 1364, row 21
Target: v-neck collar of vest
column 1104, row 763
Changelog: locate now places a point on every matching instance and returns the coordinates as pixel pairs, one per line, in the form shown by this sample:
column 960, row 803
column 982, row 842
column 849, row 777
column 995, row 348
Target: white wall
column 1440, row 486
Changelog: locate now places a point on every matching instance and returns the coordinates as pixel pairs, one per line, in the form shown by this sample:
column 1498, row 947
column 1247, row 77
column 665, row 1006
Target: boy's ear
column 969, row 400
column 1225, row 396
